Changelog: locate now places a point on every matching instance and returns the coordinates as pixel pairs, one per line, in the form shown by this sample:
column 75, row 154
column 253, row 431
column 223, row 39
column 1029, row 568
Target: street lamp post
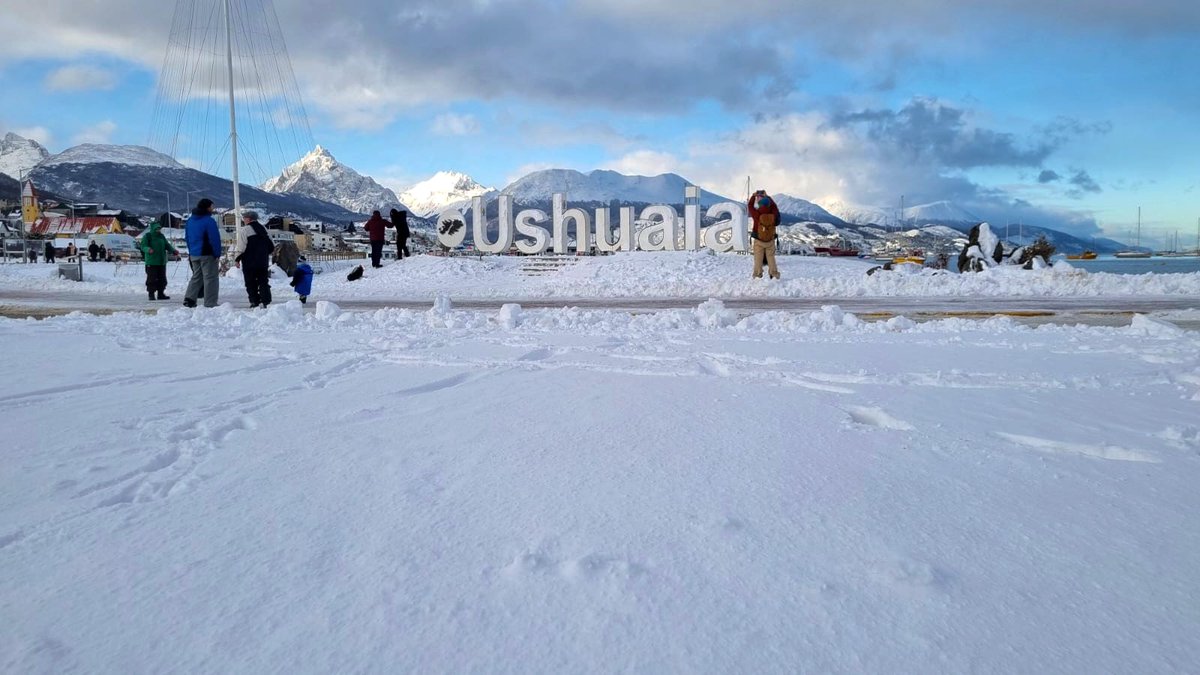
column 168, row 194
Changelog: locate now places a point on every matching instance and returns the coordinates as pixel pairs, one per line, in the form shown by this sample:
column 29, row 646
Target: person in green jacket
column 155, row 249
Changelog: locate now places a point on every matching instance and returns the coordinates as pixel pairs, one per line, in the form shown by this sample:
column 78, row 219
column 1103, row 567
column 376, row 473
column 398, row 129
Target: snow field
column 636, row 275
column 596, row 491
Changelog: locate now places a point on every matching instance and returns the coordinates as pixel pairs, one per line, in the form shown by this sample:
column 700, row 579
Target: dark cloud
column 1083, row 184
column 929, row 130
column 1048, row 176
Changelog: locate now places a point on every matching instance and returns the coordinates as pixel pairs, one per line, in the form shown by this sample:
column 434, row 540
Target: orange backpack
column 766, row 227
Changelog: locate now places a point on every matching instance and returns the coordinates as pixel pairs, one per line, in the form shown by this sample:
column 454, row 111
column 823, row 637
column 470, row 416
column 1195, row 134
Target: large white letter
column 691, row 227
column 504, row 234
column 667, row 225
column 451, row 228
column 527, row 226
column 736, row 225
column 583, row 226
column 625, row 240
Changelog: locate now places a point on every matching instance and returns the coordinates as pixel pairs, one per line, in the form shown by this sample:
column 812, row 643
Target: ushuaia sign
column 665, row 230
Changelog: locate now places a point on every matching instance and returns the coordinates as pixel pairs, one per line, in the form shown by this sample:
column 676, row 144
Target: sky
column 1068, row 113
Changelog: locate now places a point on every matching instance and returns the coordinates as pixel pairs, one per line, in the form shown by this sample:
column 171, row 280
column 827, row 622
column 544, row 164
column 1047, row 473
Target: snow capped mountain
column 604, row 186
column 19, row 154
column 443, row 189
column 320, row 176
column 861, row 215
column 940, row 213
column 130, row 155
column 803, row 210
column 935, row 213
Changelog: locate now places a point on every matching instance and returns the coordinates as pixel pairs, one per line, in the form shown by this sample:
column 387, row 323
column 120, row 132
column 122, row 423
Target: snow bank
column 642, row 275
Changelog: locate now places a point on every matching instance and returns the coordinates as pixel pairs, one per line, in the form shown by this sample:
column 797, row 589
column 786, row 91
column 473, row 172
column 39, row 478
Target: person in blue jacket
column 204, row 252
column 302, row 279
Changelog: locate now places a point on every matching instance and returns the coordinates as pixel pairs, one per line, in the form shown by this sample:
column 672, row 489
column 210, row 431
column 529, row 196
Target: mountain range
column 319, row 187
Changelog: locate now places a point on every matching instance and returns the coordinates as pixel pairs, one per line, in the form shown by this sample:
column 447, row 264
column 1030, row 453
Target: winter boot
column 189, row 303
column 152, row 295
column 163, row 296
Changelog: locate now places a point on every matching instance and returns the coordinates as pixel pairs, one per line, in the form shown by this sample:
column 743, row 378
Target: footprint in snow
column 1110, row 452
column 877, row 417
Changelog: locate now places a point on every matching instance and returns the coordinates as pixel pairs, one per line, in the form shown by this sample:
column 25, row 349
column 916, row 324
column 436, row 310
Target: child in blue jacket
column 302, row 279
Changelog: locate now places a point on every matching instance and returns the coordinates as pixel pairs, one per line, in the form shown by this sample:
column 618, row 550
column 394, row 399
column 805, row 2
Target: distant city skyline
column 1065, row 114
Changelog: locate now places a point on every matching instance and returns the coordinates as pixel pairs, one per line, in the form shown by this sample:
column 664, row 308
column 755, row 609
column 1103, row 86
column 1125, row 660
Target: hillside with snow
column 443, row 189
column 803, row 210
column 857, row 214
column 96, row 153
column 604, row 186
column 19, row 155
column 319, row 176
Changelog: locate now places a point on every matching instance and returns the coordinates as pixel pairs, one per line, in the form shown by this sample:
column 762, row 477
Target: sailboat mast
column 233, row 137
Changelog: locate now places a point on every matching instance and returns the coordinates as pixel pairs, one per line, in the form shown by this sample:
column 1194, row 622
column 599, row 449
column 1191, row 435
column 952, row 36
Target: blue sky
column 1069, row 114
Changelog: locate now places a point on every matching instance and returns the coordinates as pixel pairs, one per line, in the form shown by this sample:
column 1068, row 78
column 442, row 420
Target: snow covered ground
column 635, row 275
column 595, row 491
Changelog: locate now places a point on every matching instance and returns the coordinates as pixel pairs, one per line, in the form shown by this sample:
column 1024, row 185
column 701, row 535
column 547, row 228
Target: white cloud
column 454, row 124
column 81, row 78
column 101, row 132
column 40, row 134
column 644, row 163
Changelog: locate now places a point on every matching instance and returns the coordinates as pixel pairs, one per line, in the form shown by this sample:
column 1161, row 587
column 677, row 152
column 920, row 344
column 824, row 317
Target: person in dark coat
column 204, row 252
column 400, row 222
column 255, row 261
column 376, row 227
column 93, row 252
column 49, row 251
column 104, row 253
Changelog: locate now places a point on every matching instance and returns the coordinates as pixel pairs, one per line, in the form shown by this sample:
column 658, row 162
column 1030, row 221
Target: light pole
column 187, row 197
column 168, row 194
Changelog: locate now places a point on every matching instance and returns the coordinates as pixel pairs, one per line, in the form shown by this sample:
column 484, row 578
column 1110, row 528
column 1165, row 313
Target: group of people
column 376, row 229
column 256, row 248
column 253, row 257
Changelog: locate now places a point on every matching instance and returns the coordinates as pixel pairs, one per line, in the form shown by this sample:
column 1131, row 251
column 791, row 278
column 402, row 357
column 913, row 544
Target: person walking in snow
column 302, row 279
column 93, row 251
column 376, row 227
column 49, row 254
column 204, row 252
column 764, row 215
column 104, row 253
column 155, row 249
column 400, row 222
column 255, row 260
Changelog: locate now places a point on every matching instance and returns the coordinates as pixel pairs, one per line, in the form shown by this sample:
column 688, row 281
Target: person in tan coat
column 764, row 214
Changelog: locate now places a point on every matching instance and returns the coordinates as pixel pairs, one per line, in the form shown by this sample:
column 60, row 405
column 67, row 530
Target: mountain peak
column 441, row 190
column 320, row 176
column 19, row 154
